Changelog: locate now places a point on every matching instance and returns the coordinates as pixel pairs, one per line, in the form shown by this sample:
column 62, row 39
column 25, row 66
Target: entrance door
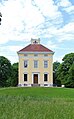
column 35, row 78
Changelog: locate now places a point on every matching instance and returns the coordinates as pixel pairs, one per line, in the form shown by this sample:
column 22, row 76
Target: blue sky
column 50, row 20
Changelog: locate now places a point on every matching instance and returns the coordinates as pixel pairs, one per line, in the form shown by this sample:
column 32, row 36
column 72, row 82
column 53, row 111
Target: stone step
column 35, row 85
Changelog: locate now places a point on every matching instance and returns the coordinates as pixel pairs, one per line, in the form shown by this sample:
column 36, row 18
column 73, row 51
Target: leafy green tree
column 71, row 76
column 13, row 80
column 5, row 71
column 65, row 70
column 15, row 74
column 55, row 68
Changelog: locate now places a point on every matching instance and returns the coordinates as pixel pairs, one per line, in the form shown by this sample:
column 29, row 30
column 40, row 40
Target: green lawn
column 36, row 103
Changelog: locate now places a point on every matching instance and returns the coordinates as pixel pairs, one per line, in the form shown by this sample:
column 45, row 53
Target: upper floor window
column 35, row 64
column 25, row 55
column 35, row 55
column 45, row 55
column 25, row 63
column 45, row 64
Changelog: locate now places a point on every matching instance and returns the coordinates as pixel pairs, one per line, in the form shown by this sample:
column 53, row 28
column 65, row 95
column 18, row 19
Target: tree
column 5, row 71
column 55, row 68
column 65, row 71
column 15, row 74
column 71, row 76
column 13, row 80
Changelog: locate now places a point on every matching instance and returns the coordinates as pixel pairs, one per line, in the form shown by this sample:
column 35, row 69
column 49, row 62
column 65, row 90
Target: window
column 25, row 55
column 35, row 42
column 35, row 55
column 25, row 77
column 45, row 77
column 45, row 64
column 35, row 64
column 25, row 63
column 45, row 55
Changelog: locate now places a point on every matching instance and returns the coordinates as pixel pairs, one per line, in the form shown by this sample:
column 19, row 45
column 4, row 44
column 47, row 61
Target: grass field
column 36, row 103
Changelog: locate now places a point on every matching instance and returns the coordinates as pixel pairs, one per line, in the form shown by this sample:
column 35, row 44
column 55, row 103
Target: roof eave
column 22, row 52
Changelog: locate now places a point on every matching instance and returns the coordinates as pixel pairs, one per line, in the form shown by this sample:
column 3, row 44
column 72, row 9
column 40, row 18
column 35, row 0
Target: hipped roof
column 35, row 48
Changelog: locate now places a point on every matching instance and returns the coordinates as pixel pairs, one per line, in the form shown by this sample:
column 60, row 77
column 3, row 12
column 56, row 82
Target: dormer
column 35, row 41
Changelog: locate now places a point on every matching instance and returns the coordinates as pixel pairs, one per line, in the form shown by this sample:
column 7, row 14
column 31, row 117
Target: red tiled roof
column 35, row 48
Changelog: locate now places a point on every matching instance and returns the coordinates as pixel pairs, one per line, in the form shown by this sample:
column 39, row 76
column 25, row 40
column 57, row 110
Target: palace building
column 35, row 65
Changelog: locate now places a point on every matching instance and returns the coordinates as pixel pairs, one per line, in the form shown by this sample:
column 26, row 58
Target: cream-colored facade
column 35, row 68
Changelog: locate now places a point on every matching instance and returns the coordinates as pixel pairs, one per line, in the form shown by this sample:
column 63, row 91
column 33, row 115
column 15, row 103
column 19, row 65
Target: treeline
column 8, row 73
column 63, row 73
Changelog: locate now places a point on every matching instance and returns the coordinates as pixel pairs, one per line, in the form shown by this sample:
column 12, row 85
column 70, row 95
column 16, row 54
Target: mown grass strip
column 36, row 103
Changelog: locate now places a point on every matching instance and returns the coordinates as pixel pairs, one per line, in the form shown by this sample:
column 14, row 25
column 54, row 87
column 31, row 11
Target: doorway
column 35, row 78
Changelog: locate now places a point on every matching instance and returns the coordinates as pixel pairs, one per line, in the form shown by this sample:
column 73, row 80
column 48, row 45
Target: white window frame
column 45, row 63
column 25, row 55
column 35, row 63
column 45, row 55
column 44, row 77
column 35, row 55
column 25, row 63
column 27, row 77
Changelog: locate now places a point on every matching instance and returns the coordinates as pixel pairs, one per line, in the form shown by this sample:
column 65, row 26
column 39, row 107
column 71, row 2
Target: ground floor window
column 25, row 77
column 45, row 77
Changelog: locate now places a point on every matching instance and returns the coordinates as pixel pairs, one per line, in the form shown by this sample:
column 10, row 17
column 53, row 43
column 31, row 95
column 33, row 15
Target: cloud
column 10, row 52
column 59, row 59
column 18, row 21
column 49, row 11
column 70, row 9
column 51, row 45
column 66, row 6
column 64, row 3
column 33, row 18
column 46, row 6
column 66, row 32
column 25, row 18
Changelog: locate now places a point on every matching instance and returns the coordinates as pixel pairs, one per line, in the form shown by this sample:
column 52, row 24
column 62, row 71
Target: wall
column 41, row 70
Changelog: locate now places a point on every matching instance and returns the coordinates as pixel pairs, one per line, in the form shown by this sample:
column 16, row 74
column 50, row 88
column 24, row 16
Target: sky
column 50, row 20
